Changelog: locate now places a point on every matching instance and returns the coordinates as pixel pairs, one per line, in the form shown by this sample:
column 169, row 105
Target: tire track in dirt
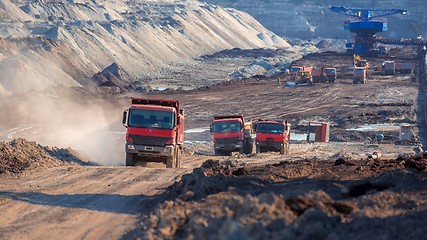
column 81, row 202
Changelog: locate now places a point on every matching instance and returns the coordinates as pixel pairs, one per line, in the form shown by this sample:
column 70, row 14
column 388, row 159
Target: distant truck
column 324, row 74
column 359, row 75
column 405, row 67
column 231, row 133
column 301, row 75
column 155, row 132
column 272, row 135
column 392, row 67
column 389, row 67
column 294, row 70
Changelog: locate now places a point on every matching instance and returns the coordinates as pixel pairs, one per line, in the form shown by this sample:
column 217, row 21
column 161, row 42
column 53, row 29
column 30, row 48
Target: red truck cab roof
column 229, row 120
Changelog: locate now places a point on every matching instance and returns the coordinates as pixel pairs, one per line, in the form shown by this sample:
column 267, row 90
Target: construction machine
column 301, row 75
column 359, row 75
column 359, row 62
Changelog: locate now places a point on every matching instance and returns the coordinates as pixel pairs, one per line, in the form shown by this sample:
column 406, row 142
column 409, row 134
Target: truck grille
column 226, row 140
column 150, row 141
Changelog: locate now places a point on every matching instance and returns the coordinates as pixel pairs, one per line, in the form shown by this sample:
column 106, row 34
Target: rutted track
column 78, row 202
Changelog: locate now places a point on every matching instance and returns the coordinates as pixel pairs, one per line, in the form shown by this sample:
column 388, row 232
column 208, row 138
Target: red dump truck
column 272, row 135
column 155, row 132
column 231, row 133
column 324, row 74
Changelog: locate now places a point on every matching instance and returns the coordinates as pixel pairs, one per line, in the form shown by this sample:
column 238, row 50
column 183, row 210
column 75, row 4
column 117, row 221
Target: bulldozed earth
column 348, row 188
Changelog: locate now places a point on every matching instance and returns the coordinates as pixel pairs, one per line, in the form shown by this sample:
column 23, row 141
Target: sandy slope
column 81, row 39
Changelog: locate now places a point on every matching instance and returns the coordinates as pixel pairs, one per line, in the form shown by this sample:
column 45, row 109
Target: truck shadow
column 113, row 203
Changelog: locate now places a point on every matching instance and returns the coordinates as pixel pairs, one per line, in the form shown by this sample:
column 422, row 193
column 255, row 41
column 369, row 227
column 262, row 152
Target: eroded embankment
column 342, row 199
column 21, row 155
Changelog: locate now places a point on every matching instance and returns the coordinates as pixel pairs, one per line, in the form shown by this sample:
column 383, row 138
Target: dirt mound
column 21, row 155
column 328, row 200
column 212, row 177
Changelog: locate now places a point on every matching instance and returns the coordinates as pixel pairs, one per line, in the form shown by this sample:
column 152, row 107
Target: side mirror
column 211, row 129
column 178, row 121
column 125, row 118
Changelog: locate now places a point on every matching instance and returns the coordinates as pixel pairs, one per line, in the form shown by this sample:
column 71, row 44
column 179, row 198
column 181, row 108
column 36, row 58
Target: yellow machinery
column 359, row 62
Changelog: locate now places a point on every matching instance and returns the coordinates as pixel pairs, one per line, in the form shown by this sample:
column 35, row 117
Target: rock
column 418, row 165
column 276, row 225
column 344, row 207
column 343, row 161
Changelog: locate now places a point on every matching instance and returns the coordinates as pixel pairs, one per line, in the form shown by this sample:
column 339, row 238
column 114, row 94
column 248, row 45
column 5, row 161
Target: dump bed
column 221, row 117
column 317, row 72
column 159, row 102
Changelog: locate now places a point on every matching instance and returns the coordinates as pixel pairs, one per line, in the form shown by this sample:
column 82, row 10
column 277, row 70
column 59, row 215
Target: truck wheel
column 258, row 149
column 282, row 150
column 218, row 152
column 130, row 159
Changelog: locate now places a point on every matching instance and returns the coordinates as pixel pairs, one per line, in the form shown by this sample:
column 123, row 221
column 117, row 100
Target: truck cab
column 155, row 132
column 329, row 74
column 231, row 134
column 272, row 135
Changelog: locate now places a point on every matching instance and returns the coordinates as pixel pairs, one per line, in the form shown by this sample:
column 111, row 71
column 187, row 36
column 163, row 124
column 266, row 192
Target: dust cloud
column 67, row 118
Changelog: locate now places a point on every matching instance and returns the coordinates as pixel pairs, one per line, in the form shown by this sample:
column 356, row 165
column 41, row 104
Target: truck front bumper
column 229, row 147
column 151, row 151
column 270, row 145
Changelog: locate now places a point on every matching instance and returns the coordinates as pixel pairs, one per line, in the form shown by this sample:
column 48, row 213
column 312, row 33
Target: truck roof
column 229, row 117
column 271, row 121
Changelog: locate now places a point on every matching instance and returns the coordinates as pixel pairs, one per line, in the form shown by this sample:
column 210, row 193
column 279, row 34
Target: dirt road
column 78, row 202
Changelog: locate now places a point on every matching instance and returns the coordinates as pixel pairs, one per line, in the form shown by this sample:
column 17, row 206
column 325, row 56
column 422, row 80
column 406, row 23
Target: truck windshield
column 221, row 127
column 330, row 71
column 141, row 118
column 270, row 128
column 295, row 69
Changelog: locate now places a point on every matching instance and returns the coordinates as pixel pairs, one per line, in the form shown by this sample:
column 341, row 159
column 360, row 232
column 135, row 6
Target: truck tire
column 218, row 152
column 282, row 150
column 258, row 149
column 130, row 159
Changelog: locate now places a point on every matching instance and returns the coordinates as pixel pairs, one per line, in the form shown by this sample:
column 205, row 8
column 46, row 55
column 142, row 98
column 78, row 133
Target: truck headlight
column 168, row 149
column 131, row 147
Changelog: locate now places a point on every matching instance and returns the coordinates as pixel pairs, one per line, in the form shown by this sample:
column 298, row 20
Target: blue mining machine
column 365, row 23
